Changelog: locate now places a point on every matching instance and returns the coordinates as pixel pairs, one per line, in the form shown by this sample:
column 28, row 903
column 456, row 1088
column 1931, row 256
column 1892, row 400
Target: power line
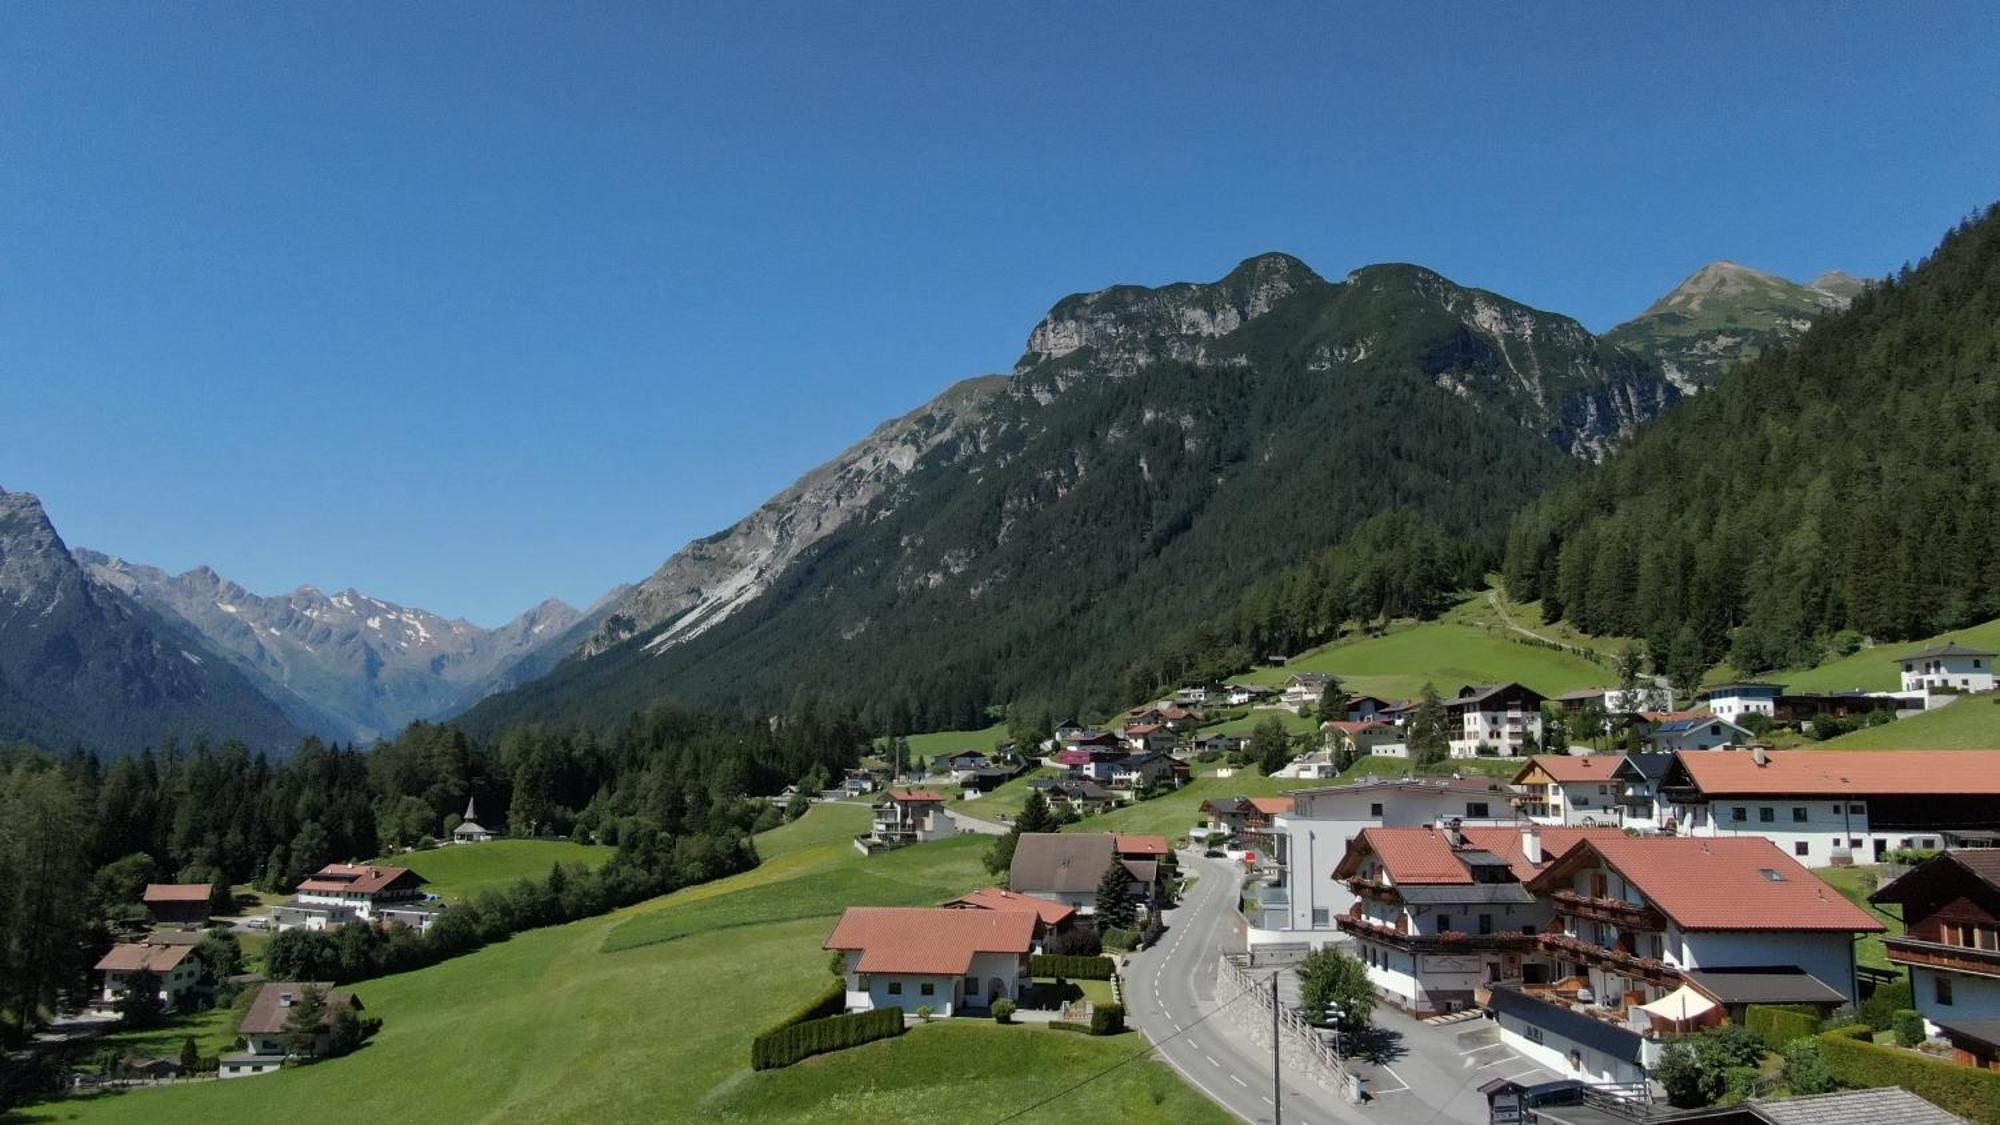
column 1133, row 1057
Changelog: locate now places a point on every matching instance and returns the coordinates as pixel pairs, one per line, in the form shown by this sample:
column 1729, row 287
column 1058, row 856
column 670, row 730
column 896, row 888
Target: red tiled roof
column 177, row 892
column 357, row 878
column 996, row 898
column 1271, row 806
column 929, row 940
column 1845, row 773
column 1717, row 882
column 1567, row 767
column 917, row 795
column 1423, row 855
column 132, row 957
column 1141, row 730
column 1346, row 727
column 1141, row 845
column 1674, row 716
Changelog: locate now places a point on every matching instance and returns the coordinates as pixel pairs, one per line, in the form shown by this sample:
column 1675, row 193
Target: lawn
column 214, row 1032
column 463, row 870
column 1857, row 883
column 1007, row 799
column 1972, row 723
column 1445, row 654
column 547, row 1027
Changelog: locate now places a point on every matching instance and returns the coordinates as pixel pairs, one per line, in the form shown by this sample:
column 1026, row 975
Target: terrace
column 1450, row 941
column 1616, row 911
column 1938, row 955
column 1618, row 960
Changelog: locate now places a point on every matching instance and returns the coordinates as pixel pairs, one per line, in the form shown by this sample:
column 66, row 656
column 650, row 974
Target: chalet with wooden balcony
column 1824, row 809
column 1495, row 720
column 1951, row 947
column 1654, row 936
column 1438, row 912
column 1570, row 789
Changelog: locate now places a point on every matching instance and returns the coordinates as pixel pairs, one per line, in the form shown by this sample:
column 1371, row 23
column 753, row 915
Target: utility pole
column 1277, row 1081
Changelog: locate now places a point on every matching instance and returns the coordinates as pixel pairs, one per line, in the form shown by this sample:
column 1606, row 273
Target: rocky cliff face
column 1724, row 313
column 83, row 663
column 345, row 665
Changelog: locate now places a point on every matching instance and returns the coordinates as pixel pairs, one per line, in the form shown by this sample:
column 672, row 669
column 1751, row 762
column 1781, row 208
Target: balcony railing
column 1616, row 911
column 1451, row 941
column 1617, row 960
column 1938, row 955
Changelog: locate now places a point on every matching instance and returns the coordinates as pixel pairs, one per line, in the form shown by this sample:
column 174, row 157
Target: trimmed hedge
column 1070, row 967
column 1107, row 1019
column 829, row 1003
column 817, row 1037
column 1855, row 1061
column 1780, row 1026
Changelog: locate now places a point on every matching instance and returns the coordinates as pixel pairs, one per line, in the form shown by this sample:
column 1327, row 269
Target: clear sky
column 469, row 305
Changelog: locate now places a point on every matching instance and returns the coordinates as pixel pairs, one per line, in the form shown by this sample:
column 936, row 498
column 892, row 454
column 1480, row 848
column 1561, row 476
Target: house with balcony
column 1735, row 701
column 340, row 893
column 1053, row 917
column 1664, row 732
column 1440, row 912
column 1570, row 789
column 1854, row 806
column 1638, row 778
column 1298, row 899
column 1951, row 666
column 1066, row 867
column 1136, row 772
column 1657, row 936
column 1495, row 720
column 1304, row 689
column 1951, row 948
column 909, row 816
column 170, row 962
column 1082, row 795
column 267, row 1031
column 950, row 961
column 1364, row 735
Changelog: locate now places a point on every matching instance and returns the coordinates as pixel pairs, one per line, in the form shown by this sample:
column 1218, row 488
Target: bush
column 1879, row 1010
column 817, row 1037
column 1150, row 934
column 1909, row 1025
column 1003, row 1011
column 1780, row 1026
column 1854, row 1061
column 1805, row 1068
column 1121, row 940
column 1107, row 1019
column 925, row 1013
column 1070, row 967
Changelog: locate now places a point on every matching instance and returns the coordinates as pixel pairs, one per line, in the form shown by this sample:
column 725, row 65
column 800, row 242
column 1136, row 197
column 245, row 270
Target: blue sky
column 470, row 305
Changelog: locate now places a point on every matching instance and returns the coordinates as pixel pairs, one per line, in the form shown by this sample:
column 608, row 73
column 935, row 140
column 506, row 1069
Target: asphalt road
column 1424, row 1074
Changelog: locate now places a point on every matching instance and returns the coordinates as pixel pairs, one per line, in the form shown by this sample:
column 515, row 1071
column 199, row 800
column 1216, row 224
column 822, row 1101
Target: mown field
column 549, row 1027
column 1972, row 723
column 1445, row 654
column 1873, row 668
column 466, row 869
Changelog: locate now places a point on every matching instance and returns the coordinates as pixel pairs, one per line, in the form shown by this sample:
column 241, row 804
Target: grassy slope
column 1874, row 669
column 548, row 1027
column 467, row 869
column 1445, row 654
column 1972, row 723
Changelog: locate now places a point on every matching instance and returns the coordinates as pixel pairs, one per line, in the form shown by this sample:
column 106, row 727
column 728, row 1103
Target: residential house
column 1362, row 734
column 266, row 1027
column 1577, row 702
column 172, row 964
column 1297, row 898
column 1800, row 708
column 178, row 904
column 961, row 765
column 1303, row 690
column 1222, row 743
column 1657, row 936
column 1951, row 947
column 1083, row 796
column 858, row 783
column 1082, row 752
column 468, row 829
column 1495, row 720
column 1639, row 777
column 1239, row 695
column 978, row 783
column 1952, row 666
column 950, row 961
column 1570, row 789
column 1736, row 701
column 340, row 893
column 1825, row 807
column 1053, row 917
column 1141, row 738
column 1131, row 775
column 1369, row 708
column 1243, row 816
column 1066, row 867
column 911, row 816
column 1664, row 732
column 1197, row 694
column 1439, row 912
column 1317, row 765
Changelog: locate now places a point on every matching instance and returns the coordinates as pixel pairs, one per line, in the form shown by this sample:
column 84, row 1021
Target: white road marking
column 1525, row 1073
column 1267, row 1099
column 1242, row 1083
column 1476, row 1050
column 1211, row 1059
column 1399, row 1078
column 1501, row 1062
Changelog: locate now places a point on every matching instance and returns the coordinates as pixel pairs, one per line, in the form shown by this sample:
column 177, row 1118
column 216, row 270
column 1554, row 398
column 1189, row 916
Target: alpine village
column 1294, row 697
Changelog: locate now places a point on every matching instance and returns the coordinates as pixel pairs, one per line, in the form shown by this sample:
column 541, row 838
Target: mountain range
column 1022, row 535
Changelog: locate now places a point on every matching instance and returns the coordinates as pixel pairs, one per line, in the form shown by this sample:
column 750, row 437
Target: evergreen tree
column 1116, row 908
column 1429, row 734
column 307, row 1019
column 1270, row 746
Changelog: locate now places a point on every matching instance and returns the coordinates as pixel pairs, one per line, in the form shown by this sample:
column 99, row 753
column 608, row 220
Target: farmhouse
column 1827, row 807
column 1570, row 789
column 1488, row 720
column 172, row 964
column 1658, row 936
column 183, row 904
column 949, row 961
column 266, row 1031
column 1066, row 868
column 1439, row 912
column 1951, row 666
column 1951, row 909
column 340, row 893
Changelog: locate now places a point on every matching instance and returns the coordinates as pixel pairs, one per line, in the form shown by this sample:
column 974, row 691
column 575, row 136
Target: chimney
column 1758, row 756
column 1453, row 835
column 1531, row 844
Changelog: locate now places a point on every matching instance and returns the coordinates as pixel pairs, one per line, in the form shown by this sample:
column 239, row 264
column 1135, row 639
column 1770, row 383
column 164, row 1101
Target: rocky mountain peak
column 31, row 553
column 1131, row 325
column 1838, row 283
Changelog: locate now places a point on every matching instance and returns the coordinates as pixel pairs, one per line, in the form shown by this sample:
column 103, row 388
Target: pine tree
column 1429, row 736
column 306, row 1021
column 1116, row 908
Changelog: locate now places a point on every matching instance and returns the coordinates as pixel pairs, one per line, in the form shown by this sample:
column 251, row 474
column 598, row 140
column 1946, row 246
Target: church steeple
column 470, row 813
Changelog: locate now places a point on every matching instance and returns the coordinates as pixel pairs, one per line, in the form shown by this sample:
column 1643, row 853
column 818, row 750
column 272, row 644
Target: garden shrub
column 1107, row 1019
column 1805, row 1068
column 1909, row 1025
column 1068, row 1025
column 1778, row 1025
column 1070, row 967
column 1879, row 1010
column 1853, row 1060
column 817, row 1037
column 1003, row 1011
column 1120, row 940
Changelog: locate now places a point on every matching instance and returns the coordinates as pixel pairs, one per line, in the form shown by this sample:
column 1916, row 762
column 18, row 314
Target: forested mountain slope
column 83, row 663
column 1848, row 482
column 1153, row 453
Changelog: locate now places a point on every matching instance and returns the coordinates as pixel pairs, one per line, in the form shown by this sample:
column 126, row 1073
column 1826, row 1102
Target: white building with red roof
column 1440, row 911
column 911, row 816
column 340, row 893
column 1578, row 789
column 1656, row 936
column 1834, row 806
column 950, row 961
column 171, row 962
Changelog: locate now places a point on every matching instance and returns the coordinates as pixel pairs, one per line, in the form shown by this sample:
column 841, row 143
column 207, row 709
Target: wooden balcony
column 1947, row 958
column 1617, row 960
column 1451, row 941
column 1616, row 911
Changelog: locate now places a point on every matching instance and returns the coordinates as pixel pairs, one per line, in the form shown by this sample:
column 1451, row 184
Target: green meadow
column 462, row 870
column 1445, row 654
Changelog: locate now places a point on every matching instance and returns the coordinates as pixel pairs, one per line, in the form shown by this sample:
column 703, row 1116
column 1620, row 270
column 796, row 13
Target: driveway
column 1415, row 1072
